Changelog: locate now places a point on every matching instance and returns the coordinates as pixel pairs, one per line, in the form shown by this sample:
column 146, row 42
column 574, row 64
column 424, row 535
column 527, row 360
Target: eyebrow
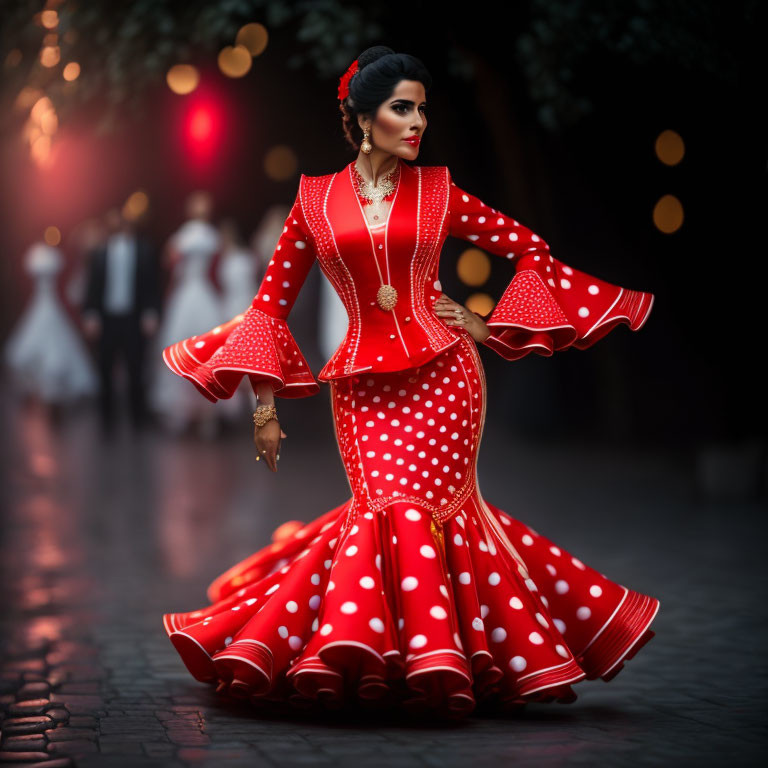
column 405, row 101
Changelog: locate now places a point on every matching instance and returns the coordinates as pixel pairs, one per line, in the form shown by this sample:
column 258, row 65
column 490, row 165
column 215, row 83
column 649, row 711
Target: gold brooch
column 386, row 297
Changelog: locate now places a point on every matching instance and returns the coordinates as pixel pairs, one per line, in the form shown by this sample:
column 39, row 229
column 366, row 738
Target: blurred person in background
column 45, row 354
column 86, row 237
column 265, row 236
column 193, row 305
column 120, row 311
column 236, row 275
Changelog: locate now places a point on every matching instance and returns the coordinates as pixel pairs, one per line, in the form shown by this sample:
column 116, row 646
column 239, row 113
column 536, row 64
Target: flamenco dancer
column 415, row 593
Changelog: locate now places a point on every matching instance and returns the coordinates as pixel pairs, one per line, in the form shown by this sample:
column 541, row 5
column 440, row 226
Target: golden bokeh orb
column 52, row 235
column 669, row 147
column 49, row 122
column 234, row 60
column 50, row 55
column 136, row 205
column 49, row 19
column 182, row 78
column 280, row 163
column 254, row 37
column 40, row 150
column 473, row 267
column 40, row 108
column 71, row 71
column 481, row 303
column 668, row 214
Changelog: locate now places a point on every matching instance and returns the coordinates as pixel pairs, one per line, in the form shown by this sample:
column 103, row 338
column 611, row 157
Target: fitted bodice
column 358, row 258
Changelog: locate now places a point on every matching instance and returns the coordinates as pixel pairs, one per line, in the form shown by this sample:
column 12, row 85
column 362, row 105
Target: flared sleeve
column 548, row 305
column 257, row 342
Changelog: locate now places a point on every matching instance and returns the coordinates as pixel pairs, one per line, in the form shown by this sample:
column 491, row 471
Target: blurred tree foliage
column 126, row 46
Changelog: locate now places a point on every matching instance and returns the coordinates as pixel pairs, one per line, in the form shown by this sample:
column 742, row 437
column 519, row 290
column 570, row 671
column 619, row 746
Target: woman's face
column 401, row 116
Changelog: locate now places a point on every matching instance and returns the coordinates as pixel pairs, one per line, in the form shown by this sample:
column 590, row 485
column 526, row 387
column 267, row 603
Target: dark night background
column 587, row 185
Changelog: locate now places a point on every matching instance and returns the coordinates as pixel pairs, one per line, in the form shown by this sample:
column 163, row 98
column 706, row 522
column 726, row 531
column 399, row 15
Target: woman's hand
column 267, row 439
column 458, row 316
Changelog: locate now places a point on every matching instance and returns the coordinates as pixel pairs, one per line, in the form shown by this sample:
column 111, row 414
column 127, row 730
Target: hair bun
column 369, row 55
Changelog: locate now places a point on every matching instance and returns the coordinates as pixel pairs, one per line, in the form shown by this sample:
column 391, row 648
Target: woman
column 45, row 354
column 415, row 591
column 192, row 306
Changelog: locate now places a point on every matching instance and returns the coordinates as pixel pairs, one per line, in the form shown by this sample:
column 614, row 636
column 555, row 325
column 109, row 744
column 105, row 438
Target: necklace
column 375, row 194
column 386, row 296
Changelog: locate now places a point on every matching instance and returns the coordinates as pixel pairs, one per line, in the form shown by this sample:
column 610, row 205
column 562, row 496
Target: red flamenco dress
column 416, row 592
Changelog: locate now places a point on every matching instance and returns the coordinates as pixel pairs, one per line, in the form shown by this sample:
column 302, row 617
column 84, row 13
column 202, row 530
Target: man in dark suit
column 121, row 309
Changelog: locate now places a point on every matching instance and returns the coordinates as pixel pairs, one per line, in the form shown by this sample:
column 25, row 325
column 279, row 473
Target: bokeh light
column 49, row 122
column 136, row 205
column 41, row 150
column 204, row 123
column 254, row 37
column 52, row 235
column 49, row 19
column 182, row 78
column 41, row 106
column 50, row 56
column 234, row 60
column 668, row 214
column 669, row 147
column 481, row 303
column 201, row 125
column 473, row 267
column 280, row 163
column 71, row 71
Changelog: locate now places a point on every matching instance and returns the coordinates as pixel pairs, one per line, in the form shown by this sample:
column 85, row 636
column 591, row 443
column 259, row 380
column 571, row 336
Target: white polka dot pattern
column 548, row 306
column 413, row 435
column 383, row 610
column 415, row 573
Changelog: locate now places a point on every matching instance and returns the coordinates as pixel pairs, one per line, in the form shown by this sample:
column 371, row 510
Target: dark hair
column 380, row 69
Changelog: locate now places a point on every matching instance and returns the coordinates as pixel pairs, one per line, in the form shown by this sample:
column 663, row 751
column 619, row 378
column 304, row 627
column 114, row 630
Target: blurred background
column 628, row 135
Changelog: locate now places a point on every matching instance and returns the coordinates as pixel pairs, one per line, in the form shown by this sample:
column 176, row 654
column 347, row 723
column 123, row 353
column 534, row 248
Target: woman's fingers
column 452, row 312
column 268, row 450
column 267, row 439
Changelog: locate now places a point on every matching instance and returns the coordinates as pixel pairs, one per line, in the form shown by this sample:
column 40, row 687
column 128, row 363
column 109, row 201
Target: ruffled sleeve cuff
column 546, row 310
column 252, row 343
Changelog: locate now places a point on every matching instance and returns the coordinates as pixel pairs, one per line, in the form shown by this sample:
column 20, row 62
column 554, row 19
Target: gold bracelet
column 263, row 414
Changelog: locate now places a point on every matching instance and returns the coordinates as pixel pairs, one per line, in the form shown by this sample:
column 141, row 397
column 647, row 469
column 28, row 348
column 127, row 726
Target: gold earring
column 366, row 146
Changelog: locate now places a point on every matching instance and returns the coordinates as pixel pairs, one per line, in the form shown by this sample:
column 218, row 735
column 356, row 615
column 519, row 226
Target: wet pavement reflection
column 99, row 538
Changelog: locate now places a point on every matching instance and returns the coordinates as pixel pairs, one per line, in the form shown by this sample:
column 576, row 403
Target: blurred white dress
column 193, row 307
column 238, row 279
column 45, row 353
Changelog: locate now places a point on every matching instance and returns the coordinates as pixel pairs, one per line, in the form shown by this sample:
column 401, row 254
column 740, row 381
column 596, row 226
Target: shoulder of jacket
column 317, row 178
column 434, row 173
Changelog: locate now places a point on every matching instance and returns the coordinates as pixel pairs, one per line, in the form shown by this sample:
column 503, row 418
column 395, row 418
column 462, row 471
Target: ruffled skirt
column 415, row 593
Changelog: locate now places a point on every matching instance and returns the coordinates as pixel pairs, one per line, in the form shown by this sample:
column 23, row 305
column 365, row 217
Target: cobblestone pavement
column 99, row 539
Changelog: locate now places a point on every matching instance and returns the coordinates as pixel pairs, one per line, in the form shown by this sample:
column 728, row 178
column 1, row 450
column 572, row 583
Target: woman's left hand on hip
column 458, row 316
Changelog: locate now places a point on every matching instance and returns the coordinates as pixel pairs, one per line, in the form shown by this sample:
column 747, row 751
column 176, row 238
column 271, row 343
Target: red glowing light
column 201, row 125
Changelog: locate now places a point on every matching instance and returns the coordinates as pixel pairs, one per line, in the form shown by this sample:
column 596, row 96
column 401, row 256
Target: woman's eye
column 399, row 107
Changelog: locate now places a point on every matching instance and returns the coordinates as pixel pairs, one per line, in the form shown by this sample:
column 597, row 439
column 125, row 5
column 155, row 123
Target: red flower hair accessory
column 344, row 80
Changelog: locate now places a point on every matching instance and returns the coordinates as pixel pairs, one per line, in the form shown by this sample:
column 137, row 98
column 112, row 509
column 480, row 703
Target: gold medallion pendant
column 386, row 297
